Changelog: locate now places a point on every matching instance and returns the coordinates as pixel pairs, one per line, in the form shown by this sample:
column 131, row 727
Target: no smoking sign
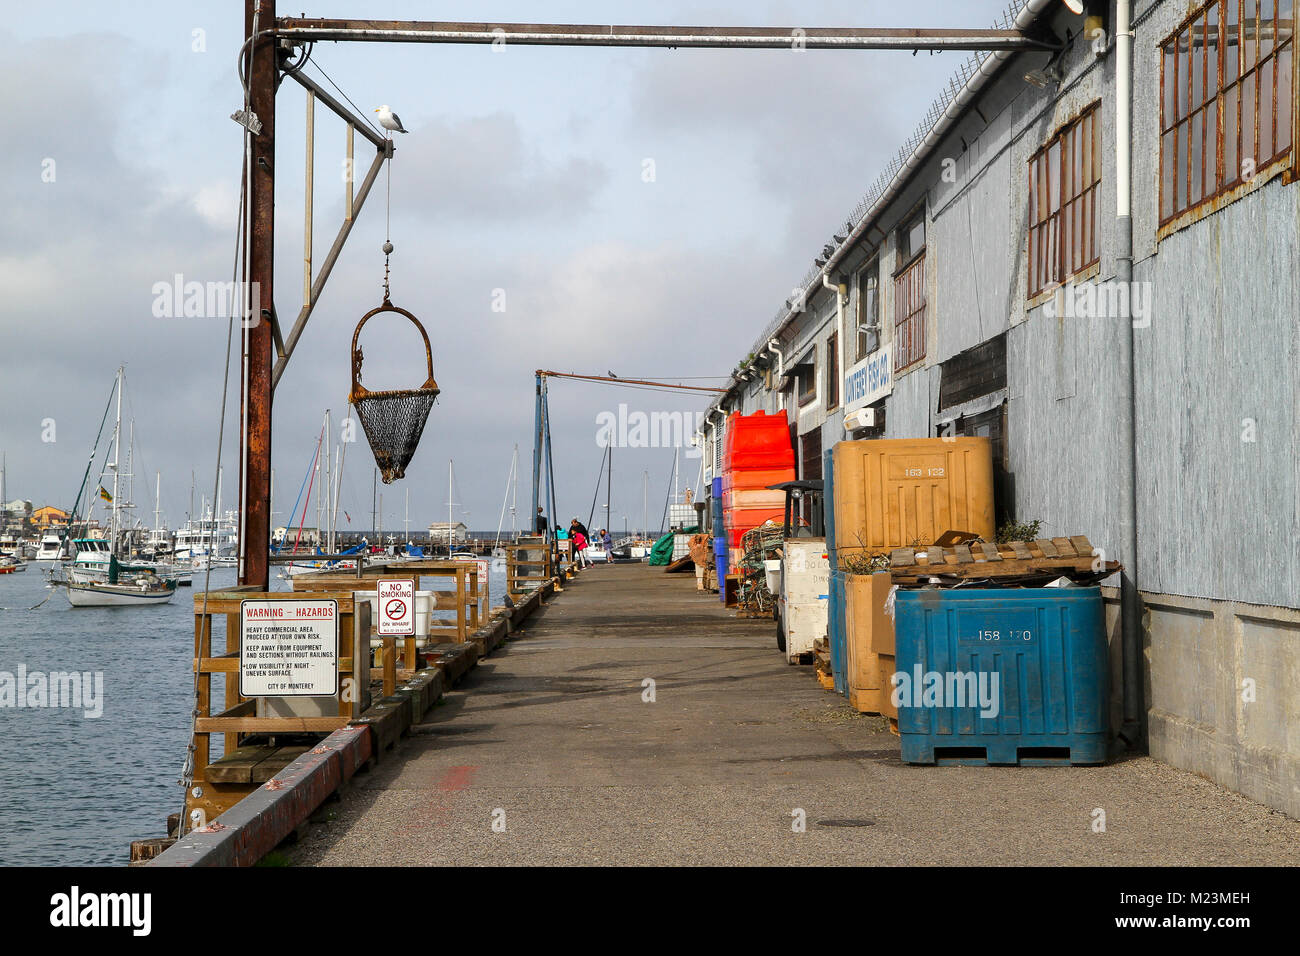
column 396, row 608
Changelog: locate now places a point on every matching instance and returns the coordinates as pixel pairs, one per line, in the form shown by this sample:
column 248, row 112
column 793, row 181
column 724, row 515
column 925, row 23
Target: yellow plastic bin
column 869, row 641
column 895, row 492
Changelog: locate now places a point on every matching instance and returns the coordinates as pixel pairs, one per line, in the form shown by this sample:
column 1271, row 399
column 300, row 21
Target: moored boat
column 129, row 591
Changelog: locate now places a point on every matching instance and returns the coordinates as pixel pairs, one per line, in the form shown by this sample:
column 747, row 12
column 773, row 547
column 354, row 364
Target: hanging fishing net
column 393, row 420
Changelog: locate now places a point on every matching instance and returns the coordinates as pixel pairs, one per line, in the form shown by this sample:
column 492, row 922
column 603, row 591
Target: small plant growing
column 1013, row 531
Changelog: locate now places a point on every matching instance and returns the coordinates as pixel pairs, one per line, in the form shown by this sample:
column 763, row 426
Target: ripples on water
column 76, row 791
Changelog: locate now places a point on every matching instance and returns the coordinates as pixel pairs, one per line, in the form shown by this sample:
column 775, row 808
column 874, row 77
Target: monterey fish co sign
column 870, row 380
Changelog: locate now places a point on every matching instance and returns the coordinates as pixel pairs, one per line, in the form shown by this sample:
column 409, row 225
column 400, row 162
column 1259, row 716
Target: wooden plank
column 1045, row 546
column 990, row 551
column 228, row 602
column 1063, row 547
column 1081, row 544
column 1007, row 567
column 935, row 554
column 1020, row 550
column 963, row 554
column 281, row 758
column 237, row 766
column 269, row 725
column 902, row 557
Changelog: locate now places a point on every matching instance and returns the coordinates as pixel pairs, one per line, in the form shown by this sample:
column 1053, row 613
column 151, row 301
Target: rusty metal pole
column 256, row 445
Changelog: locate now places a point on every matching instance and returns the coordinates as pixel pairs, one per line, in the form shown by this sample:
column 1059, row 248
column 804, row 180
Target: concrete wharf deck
column 553, row 730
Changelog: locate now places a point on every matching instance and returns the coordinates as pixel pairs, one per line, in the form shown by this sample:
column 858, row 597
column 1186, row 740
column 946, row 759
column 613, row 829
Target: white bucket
column 772, row 571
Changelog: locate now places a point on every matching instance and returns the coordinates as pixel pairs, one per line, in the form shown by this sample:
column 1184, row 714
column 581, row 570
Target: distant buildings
column 48, row 517
column 438, row 533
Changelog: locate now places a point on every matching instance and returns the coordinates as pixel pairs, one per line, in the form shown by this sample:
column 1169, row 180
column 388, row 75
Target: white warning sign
column 396, row 607
column 288, row 648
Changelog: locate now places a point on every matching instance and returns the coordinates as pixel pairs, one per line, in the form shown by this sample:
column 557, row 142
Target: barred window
column 1064, row 180
column 909, row 314
column 909, row 293
column 1226, row 100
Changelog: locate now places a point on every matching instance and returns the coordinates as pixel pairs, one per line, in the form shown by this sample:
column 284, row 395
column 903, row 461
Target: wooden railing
column 236, row 717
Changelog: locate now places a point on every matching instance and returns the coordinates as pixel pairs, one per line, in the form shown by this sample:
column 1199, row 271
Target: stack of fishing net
column 393, row 420
column 759, row 544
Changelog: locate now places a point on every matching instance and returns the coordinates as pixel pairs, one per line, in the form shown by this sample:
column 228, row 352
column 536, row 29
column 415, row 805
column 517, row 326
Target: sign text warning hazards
column 288, row 648
column 396, row 607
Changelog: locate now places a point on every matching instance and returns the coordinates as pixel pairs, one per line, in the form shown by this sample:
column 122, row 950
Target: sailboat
column 119, row 587
column 327, row 507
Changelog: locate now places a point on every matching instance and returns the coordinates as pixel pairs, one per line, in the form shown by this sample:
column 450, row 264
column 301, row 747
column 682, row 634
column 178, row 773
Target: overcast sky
column 523, row 171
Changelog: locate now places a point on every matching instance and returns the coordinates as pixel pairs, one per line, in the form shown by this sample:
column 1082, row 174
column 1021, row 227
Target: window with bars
column 1226, row 100
column 1064, row 180
column 868, row 310
column 909, row 299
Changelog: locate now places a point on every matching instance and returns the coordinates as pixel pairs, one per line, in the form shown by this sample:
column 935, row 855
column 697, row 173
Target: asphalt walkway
column 550, row 752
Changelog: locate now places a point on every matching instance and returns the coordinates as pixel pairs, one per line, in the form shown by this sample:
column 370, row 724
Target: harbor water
column 76, row 789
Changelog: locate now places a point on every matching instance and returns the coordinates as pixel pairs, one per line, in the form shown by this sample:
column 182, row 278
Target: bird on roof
column 389, row 120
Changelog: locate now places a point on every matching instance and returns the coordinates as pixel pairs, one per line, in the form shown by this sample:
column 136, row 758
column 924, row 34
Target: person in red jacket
column 577, row 534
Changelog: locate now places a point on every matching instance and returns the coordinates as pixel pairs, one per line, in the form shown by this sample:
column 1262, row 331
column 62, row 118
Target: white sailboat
column 120, row 587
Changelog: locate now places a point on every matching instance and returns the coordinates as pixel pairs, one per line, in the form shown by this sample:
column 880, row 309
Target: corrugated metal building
column 973, row 291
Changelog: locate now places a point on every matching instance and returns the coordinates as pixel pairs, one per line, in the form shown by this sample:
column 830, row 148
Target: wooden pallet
column 1073, row 556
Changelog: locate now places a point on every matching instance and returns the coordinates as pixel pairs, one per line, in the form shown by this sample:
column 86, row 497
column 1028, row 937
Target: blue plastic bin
column 1039, row 663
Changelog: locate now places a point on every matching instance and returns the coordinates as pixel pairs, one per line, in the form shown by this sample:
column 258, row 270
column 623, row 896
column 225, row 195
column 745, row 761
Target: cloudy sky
column 523, row 171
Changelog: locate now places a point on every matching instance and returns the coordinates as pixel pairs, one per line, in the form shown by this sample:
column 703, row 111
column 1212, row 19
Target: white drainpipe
column 839, row 335
column 775, row 348
column 1130, row 616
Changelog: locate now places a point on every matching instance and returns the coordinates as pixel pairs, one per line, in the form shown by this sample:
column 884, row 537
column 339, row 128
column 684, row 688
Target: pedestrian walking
column 608, row 543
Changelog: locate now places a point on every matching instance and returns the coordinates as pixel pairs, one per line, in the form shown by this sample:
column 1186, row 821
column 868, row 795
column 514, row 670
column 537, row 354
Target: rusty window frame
column 1251, row 70
column 1064, row 186
column 909, row 314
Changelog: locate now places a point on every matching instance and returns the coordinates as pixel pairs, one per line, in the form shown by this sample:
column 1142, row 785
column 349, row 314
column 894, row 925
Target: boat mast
column 449, row 525
column 406, row 522
column 514, row 500
column 609, row 475
column 645, row 494
column 117, row 449
column 322, row 537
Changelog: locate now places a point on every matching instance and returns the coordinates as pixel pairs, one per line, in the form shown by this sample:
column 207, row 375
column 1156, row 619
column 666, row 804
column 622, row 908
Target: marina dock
column 553, row 739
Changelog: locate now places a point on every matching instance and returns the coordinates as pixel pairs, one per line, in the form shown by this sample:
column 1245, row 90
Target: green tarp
column 662, row 552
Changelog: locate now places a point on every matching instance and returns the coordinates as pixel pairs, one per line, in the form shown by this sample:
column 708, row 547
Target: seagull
column 389, row 120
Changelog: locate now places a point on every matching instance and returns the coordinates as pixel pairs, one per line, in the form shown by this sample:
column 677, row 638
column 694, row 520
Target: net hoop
column 358, row 390
column 393, row 419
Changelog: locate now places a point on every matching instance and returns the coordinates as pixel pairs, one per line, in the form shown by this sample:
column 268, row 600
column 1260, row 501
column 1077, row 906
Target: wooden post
column 390, row 666
column 255, row 495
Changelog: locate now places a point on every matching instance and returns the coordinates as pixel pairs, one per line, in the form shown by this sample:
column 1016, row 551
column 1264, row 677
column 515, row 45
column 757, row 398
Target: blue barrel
column 835, row 616
column 1002, row 676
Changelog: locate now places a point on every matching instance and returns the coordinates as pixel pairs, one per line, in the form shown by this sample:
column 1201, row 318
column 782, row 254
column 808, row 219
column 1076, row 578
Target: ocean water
column 76, row 790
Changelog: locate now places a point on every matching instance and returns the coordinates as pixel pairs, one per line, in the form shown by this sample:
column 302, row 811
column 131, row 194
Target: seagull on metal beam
column 389, row 120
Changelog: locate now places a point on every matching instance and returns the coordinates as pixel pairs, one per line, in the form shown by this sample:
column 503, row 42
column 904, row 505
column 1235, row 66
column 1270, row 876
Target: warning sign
column 396, row 607
column 288, row 648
